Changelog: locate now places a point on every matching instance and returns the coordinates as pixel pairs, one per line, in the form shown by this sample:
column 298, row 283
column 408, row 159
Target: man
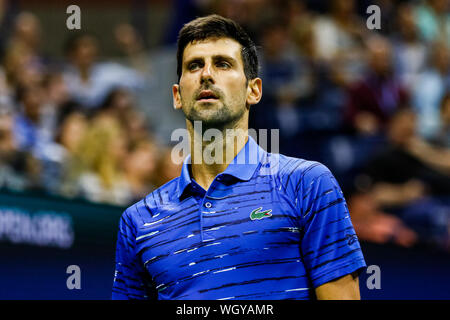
column 229, row 229
column 374, row 98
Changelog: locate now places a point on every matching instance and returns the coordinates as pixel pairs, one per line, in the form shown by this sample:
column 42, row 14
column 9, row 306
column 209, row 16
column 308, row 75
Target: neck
column 84, row 71
column 213, row 150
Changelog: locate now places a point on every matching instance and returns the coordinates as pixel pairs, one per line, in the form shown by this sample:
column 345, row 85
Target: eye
column 193, row 66
column 223, row 65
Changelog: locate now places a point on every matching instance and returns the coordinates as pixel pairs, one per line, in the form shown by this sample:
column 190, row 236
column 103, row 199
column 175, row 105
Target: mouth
column 207, row 96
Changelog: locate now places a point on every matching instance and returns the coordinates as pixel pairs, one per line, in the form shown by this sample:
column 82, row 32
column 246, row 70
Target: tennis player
column 235, row 229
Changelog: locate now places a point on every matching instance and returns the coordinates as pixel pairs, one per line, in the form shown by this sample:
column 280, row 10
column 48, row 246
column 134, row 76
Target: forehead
column 213, row 47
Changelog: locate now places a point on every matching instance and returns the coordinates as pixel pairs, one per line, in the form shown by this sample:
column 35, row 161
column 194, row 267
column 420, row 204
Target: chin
column 210, row 121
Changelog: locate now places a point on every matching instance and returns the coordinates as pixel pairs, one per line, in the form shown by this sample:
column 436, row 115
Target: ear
column 254, row 91
column 176, row 95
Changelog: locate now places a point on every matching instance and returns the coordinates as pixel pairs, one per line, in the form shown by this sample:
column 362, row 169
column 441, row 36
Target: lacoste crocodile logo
column 257, row 214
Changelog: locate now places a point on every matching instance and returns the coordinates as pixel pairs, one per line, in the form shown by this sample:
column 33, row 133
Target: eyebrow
column 215, row 58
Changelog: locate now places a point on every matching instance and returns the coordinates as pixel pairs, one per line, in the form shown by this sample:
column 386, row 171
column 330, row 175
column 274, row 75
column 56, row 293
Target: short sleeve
column 131, row 280
column 330, row 248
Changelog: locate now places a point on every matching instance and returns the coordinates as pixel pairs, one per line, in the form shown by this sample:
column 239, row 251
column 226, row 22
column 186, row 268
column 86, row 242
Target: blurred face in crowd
column 32, row 101
column 24, row 71
column 380, row 56
column 213, row 87
column 28, row 29
column 407, row 22
column 275, row 40
column 57, row 91
column 142, row 161
column 116, row 140
column 72, row 131
column 122, row 100
column 85, row 52
column 402, row 127
column 127, row 38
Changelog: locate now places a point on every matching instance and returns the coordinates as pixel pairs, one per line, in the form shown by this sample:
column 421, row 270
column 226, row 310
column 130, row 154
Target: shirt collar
column 242, row 167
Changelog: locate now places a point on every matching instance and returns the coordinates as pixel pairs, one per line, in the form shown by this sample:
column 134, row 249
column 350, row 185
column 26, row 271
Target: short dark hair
column 215, row 26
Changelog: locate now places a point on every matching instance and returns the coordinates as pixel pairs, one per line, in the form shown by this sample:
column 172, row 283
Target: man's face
column 85, row 52
column 213, row 87
column 381, row 57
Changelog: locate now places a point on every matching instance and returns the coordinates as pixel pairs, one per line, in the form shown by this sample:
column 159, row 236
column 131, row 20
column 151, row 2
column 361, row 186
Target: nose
column 206, row 74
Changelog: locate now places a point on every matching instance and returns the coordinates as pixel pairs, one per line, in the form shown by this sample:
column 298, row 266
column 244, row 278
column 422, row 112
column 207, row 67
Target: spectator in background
column 28, row 132
column 56, row 98
column 14, row 164
column 27, row 33
column 23, row 62
column 99, row 162
column 300, row 23
column 72, row 128
column 20, row 69
column 33, row 137
column 402, row 160
column 166, row 168
column 379, row 94
column 132, row 48
column 140, row 169
column 71, row 131
column 339, row 38
column 405, row 181
column 286, row 79
column 433, row 18
column 120, row 103
column 374, row 225
column 410, row 54
column 431, row 87
column 88, row 80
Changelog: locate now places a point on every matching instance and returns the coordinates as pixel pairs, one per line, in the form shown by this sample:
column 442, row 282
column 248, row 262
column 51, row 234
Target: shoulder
column 295, row 175
column 297, row 168
column 303, row 182
column 148, row 208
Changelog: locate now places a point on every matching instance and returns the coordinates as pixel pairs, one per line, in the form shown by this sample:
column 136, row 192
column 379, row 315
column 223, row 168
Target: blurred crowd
column 70, row 126
column 372, row 105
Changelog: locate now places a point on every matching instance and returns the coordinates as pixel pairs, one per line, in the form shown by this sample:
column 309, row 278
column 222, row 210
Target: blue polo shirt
column 269, row 227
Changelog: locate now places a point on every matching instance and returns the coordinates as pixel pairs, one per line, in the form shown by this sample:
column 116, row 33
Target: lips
column 207, row 95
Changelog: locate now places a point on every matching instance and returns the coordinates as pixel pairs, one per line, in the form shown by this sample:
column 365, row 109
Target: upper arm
column 131, row 280
column 343, row 288
column 329, row 246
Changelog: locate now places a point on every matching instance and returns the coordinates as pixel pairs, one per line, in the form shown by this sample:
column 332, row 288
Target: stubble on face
column 219, row 114
column 230, row 105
